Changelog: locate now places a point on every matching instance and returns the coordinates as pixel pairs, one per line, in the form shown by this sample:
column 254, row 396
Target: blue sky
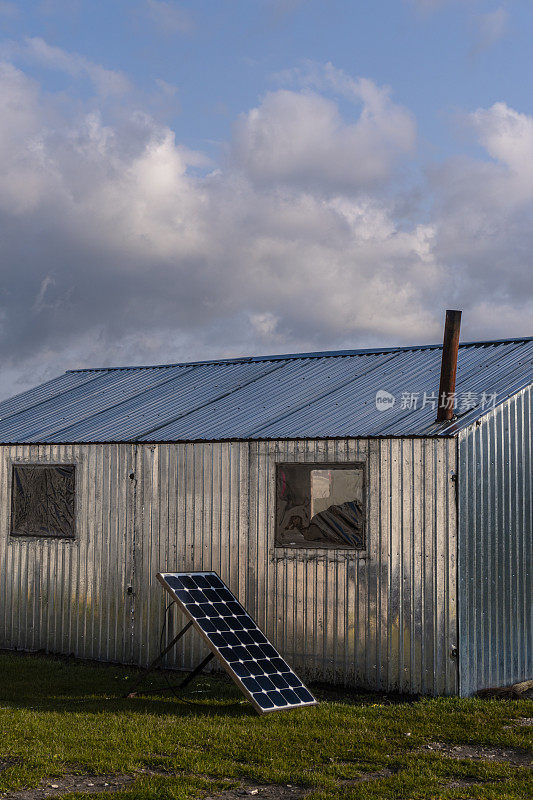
column 200, row 179
column 222, row 55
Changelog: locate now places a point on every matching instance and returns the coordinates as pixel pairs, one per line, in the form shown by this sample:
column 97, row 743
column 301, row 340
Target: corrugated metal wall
column 384, row 619
column 496, row 547
column 71, row 596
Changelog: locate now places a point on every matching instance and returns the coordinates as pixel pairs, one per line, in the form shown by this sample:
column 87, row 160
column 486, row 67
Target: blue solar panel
column 243, row 650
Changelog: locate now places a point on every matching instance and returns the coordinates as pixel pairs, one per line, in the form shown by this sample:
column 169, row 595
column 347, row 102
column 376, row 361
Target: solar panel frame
column 250, row 629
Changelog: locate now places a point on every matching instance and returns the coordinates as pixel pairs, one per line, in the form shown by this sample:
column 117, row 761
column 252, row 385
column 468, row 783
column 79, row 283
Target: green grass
column 59, row 717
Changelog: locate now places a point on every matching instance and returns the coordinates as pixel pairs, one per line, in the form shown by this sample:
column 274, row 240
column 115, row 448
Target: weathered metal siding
column 71, row 596
column 496, row 547
column 384, row 619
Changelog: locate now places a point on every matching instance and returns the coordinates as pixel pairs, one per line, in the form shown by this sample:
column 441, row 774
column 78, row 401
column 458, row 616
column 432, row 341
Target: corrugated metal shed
column 495, row 547
column 312, row 395
column 176, row 466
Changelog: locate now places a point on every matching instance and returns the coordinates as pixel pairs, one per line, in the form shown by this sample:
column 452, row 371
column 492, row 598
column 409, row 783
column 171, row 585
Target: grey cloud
column 485, row 221
column 116, row 249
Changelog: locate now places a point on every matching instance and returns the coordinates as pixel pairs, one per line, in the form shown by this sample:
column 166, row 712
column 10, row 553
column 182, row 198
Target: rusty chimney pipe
column 450, row 349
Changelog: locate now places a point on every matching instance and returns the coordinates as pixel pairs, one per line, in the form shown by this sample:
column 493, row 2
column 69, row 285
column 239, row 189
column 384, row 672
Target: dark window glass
column 42, row 501
column 320, row 505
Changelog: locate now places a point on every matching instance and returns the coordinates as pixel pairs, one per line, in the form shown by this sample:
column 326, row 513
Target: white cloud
column 169, row 17
column 300, row 138
column 116, row 249
column 36, row 50
column 22, row 172
column 507, row 136
column 40, row 300
column 484, row 211
column 490, row 28
column 168, row 89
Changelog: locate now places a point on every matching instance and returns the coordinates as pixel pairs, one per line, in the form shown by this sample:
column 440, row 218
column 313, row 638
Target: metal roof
column 297, row 396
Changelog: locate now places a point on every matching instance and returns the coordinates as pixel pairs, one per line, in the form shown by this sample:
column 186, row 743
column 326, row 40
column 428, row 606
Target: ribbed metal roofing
column 300, row 396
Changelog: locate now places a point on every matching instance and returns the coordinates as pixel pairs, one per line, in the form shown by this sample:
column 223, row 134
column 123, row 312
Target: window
column 320, row 505
column 42, row 501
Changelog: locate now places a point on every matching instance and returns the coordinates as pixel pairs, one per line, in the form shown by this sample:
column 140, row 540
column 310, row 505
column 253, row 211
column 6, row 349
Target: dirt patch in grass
column 463, row 783
column 518, row 691
column 92, row 784
column 479, row 752
column 369, row 776
column 85, row 784
column 288, row 791
column 521, row 722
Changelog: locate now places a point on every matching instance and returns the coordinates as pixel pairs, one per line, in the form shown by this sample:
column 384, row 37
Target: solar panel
column 243, row 650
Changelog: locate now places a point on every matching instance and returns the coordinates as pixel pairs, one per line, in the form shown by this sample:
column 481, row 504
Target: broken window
column 42, row 501
column 320, row 505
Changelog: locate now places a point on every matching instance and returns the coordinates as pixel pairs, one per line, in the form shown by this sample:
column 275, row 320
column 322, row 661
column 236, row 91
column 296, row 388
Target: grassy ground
column 59, row 717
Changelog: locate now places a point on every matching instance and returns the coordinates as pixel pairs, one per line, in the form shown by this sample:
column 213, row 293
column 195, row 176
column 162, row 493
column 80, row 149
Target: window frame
column 323, row 465
column 12, row 536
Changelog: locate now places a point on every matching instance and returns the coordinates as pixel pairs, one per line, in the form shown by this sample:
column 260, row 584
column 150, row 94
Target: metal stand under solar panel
column 232, row 635
column 155, row 663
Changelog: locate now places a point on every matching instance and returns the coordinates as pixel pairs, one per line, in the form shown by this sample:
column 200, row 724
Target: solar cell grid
column 245, row 652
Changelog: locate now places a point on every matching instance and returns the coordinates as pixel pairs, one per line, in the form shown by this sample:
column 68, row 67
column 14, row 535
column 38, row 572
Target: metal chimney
column 450, row 349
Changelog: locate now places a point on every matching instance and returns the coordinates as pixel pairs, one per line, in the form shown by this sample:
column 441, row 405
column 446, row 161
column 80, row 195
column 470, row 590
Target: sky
column 193, row 180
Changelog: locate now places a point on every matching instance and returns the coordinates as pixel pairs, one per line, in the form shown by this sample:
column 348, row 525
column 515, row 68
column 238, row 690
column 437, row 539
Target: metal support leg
column 196, row 671
column 157, row 661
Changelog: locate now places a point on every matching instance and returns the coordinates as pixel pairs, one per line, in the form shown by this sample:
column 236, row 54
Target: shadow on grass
column 348, row 695
column 186, row 707
column 40, row 682
column 45, row 682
